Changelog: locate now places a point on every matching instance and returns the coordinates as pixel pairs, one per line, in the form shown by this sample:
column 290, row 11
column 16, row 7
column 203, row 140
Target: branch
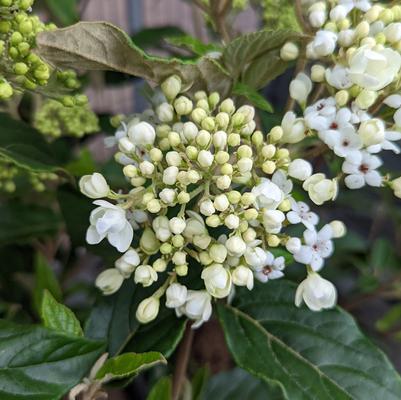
column 300, row 17
column 184, row 352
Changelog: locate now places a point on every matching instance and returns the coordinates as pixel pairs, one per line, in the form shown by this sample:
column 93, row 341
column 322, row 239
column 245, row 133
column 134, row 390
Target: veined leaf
column 129, row 364
column 310, row 355
column 42, row 364
column 252, row 96
column 193, row 44
column 59, row 317
column 102, row 46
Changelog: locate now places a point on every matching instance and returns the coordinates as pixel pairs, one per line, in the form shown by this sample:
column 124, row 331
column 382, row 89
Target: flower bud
column 300, row 88
column 222, row 120
column 227, row 106
column 217, row 280
column 142, row 134
column 232, row 221
column 223, row 182
column 182, row 105
column 244, row 165
column 366, row 98
column 269, row 150
column 176, row 295
column 183, row 197
column 300, row 169
column 127, row 263
column 173, row 158
column 372, row 132
column 165, row 112
column 203, row 138
column 221, row 202
column 161, row 228
column 179, row 258
column 269, row 167
column 147, row 310
column 170, row 175
column 94, row 186
column 156, row 155
column 178, row 241
column 205, row 158
column 160, row 265
column 338, row 228
column 181, row 270
column 171, row 87
column 276, row 134
column 289, row 51
column 227, row 169
column 177, row 225
column 153, row 206
column 220, row 139
column 396, row 186
column 234, row 139
column 198, row 115
column 146, row 168
column 109, row 281
column 145, row 275
column 167, row 196
column 235, row 246
column 207, row 208
column 148, row 242
column 321, row 189
column 342, row 98
column 213, row 221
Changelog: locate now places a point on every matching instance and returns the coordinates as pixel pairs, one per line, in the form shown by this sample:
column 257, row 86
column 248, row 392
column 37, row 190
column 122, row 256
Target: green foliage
column 41, row 364
column 162, row 390
column 59, row 317
column 102, row 46
column 199, row 383
column 45, row 280
column 252, row 96
column 279, row 14
column 287, row 346
column 66, row 11
column 193, row 44
column 128, row 365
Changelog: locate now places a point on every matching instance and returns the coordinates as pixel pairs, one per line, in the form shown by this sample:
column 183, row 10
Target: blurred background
column 366, row 266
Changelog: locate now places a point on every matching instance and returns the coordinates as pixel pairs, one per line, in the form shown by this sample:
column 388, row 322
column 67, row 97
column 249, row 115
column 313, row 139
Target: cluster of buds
column 10, row 173
column 356, row 58
column 211, row 199
column 21, row 68
column 53, row 120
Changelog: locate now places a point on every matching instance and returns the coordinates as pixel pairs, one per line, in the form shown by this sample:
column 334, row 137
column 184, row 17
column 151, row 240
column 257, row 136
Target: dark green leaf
column 253, row 58
column 382, row 255
column 66, row 11
column 129, row 364
column 252, row 96
column 22, row 222
column 45, row 279
column 42, row 364
column 24, row 146
column 102, row 46
column 162, row 390
column 84, row 164
column 193, row 44
column 59, row 317
column 153, row 37
column 390, row 319
column 199, row 383
column 239, row 385
column 311, row 355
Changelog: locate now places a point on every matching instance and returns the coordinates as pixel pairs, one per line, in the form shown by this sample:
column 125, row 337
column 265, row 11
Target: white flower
column 221, row 202
column 176, row 295
column 374, row 69
column 279, row 178
column 235, row 246
column 162, row 228
column 301, row 214
column 363, row 171
column 338, row 13
column 109, row 221
column 177, row 225
column 300, row 88
column 145, row 275
column 197, row 307
column 273, row 268
column 345, row 143
column 207, row 207
column 387, row 143
column 324, row 43
column 217, row 280
column 220, row 139
column 393, row 101
column 317, row 247
column 170, row 175
column 346, row 37
column 316, row 292
column 320, row 115
column 372, row 132
column 321, row 189
column 393, row 32
column 147, row 310
column 205, row 158
column 267, row 194
column 317, row 18
column 94, row 186
column 142, row 134
column 243, row 276
column 218, row 252
column 293, row 128
column 127, row 262
column 273, row 220
column 109, row 281
column 195, row 226
column 232, row 221
column 300, row 169
column 338, row 77
column 336, row 122
column 189, row 131
column 363, row 5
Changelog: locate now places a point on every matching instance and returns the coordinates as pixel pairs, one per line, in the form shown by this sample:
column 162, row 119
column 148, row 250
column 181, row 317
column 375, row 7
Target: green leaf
column 24, row 146
column 390, row 319
column 237, row 384
column 254, row 58
column 310, row 355
column 102, row 46
column 253, row 96
column 199, row 383
column 59, row 317
column 162, row 390
column 154, row 36
column 193, row 44
column 129, row 364
column 45, row 279
column 66, row 11
column 113, row 319
column 22, row 222
column 84, row 164
column 41, row 364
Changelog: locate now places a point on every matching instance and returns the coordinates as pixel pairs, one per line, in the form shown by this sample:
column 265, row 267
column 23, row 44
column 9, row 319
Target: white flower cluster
column 358, row 48
column 212, row 197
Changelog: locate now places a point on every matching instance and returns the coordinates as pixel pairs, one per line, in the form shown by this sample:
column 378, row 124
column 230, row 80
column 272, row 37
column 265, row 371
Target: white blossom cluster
column 356, row 58
column 212, row 197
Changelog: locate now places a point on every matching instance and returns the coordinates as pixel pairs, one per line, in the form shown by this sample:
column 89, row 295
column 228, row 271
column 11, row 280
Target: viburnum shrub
column 216, row 206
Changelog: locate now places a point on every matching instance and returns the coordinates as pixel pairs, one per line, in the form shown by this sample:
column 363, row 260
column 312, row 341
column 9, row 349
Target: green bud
column 6, row 3
column 149, row 242
column 23, row 48
column 181, row 270
column 13, row 53
column 214, row 99
column 166, row 248
column 25, row 27
column 234, row 139
column 5, row 26
column 208, row 123
column 28, row 84
column 234, row 197
column 68, row 101
column 191, row 152
column 178, row 241
column 16, row 38
column 183, row 197
column 257, row 138
column 6, row 91
column 171, row 87
column 20, row 68
column 227, row 106
column 81, row 100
